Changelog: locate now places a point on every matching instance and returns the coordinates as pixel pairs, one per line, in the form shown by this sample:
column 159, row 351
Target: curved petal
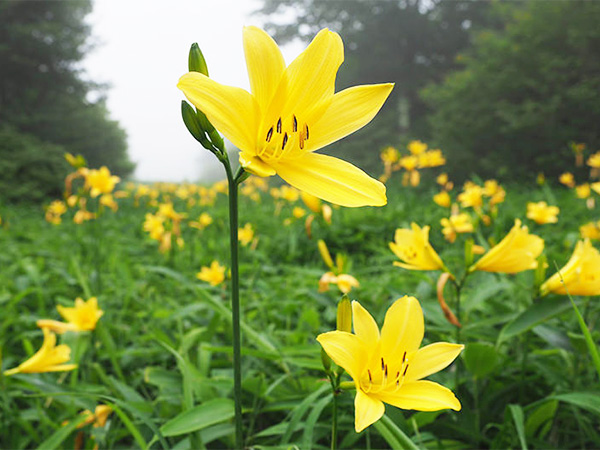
column 349, row 110
column 255, row 165
column 232, row 111
column 265, row 65
column 423, row 396
column 368, row 410
column 403, row 327
column 311, row 76
column 332, row 179
column 346, row 350
column 431, row 359
column 365, row 326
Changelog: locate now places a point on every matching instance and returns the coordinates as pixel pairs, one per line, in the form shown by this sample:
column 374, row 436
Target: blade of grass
column 394, row 435
column 517, row 415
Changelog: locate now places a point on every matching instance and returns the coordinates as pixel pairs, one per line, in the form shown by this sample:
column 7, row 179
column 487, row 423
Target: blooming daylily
column 49, row 358
column 100, row 181
column 82, row 317
column 581, row 274
column 456, row 223
column 388, row 367
column 413, row 248
column 215, row 274
column 541, row 213
column 291, row 113
column 518, row 251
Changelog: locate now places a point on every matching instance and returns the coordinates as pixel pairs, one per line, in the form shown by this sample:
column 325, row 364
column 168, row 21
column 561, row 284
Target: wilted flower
column 581, row 274
column 541, row 213
column 215, row 274
column 82, row 317
column 388, row 367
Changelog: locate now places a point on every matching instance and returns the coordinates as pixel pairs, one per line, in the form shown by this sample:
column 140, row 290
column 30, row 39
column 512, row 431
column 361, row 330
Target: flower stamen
column 269, row 134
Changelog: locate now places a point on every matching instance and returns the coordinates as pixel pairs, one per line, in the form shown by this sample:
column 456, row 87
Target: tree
column 42, row 92
column 524, row 92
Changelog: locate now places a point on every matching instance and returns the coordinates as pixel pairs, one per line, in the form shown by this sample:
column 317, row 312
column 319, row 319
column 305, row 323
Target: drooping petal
column 332, row 179
column 431, row 359
column 368, row 410
column 346, row 350
column 232, row 111
column 423, row 396
column 311, row 76
column 265, row 65
column 349, row 110
column 403, row 327
column 365, row 326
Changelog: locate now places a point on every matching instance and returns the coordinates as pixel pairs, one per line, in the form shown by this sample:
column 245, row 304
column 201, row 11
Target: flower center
column 284, row 137
column 384, row 376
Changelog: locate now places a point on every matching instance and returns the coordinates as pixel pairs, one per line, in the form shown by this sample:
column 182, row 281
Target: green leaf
column 202, row 416
column 536, row 314
column 538, row 418
column 585, row 400
column 592, row 349
column 517, row 415
column 393, row 435
column 480, row 359
column 312, row 419
column 61, row 434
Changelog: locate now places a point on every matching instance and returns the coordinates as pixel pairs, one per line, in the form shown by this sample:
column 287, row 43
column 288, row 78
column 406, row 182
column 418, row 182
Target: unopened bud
column 326, row 360
column 196, row 61
column 325, row 253
column 468, row 252
column 540, row 271
column 344, row 315
column 193, row 125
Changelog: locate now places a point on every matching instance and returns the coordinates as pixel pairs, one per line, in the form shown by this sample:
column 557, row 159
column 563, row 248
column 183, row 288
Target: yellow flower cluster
column 419, row 157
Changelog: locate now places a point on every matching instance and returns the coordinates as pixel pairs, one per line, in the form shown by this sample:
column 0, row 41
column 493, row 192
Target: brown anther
column 285, row 139
column 370, row 378
column 306, row 131
column 385, row 371
column 403, row 357
column 405, row 369
column 269, row 134
column 279, row 126
column 382, row 364
column 295, row 125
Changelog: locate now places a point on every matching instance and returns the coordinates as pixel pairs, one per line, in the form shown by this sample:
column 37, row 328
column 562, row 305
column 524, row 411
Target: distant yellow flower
column 298, row 212
column 416, row 147
column 518, row 251
column 541, row 213
column 203, row 221
column 410, row 163
column 83, row 317
column 53, row 212
column 154, row 225
column 455, row 224
column 390, row 155
column 412, row 247
column 583, row 190
column 590, row 230
column 215, row 274
column 442, row 199
column 595, row 187
column 431, row 158
column 291, row 113
column 98, row 417
column 49, row 358
column 594, row 160
column 471, row 196
column 246, row 234
column 567, row 179
column 100, row 181
column 83, row 216
column 108, row 201
column 344, row 282
column 289, row 193
column 442, row 179
column 581, row 274
column 388, row 367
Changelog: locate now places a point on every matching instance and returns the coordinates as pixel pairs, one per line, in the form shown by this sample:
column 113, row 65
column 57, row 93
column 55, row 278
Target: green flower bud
column 326, row 360
column 344, row 315
column 193, row 125
column 468, row 252
column 196, row 61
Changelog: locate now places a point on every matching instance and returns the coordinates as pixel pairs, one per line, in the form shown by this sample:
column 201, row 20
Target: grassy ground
column 163, row 345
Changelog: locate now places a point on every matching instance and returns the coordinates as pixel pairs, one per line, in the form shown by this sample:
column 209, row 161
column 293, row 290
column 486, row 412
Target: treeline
column 501, row 87
column 46, row 107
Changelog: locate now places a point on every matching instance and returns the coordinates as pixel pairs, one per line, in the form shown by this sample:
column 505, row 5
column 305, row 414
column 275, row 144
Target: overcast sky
column 141, row 53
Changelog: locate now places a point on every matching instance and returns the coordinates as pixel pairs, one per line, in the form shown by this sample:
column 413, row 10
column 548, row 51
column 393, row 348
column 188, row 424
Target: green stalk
column 334, row 421
column 233, row 182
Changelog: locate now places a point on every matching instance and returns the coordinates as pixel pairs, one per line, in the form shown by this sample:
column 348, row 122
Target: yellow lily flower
column 581, row 274
column 567, row 179
column 291, row 113
column 100, row 181
column 541, row 213
column 246, row 234
column 83, row 317
column 590, row 230
column 388, row 367
column 518, row 251
column 456, row 223
column 344, row 282
column 413, row 247
column 442, row 199
column 215, row 274
column 49, row 358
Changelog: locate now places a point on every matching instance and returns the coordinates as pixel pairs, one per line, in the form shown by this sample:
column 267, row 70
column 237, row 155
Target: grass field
column 161, row 355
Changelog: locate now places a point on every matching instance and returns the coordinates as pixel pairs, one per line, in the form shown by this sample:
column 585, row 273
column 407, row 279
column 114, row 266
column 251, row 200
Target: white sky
column 141, row 53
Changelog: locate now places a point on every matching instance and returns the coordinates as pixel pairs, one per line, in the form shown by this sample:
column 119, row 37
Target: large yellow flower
column 413, row 248
column 389, row 367
column 49, row 358
column 292, row 112
column 581, row 274
column 518, row 251
column 82, row 317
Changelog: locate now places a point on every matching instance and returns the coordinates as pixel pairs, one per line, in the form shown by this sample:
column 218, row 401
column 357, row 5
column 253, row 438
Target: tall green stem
column 334, row 421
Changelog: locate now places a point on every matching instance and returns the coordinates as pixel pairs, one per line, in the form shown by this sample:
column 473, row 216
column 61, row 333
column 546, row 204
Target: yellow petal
column 423, row 396
column 431, row 359
column 346, row 350
column 403, row 328
column 350, row 110
column 56, row 326
column 232, row 111
column 365, row 326
column 255, row 165
column 265, row 65
column 333, row 180
column 368, row 410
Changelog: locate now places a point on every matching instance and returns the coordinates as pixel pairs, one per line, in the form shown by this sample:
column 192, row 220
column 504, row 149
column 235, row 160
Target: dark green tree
column 524, row 92
column 42, row 90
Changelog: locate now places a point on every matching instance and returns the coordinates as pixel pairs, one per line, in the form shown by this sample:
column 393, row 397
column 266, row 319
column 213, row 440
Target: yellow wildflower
column 246, row 234
column 583, row 190
column 100, row 181
column 471, row 196
column 416, row 147
column 344, row 282
column 431, row 158
column 108, row 201
column 567, row 179
column 594, row 160
column 98, row 417
column 298, row 212
column 518, row 251
column 291, row 113
column 456, row 223
column 83, row 216
column 390, row 155
column 442, row 179
column 82, row 317
column 410, row 163
column 590, row 230
column 581, row 274
column 388, row 367
column 595, row 187
column 203, row 221
column 53, row 212
column 49, row 358
column 289, row 193
column 541, row 213
column 154, row 225
column 215, row 274
column 442, row 199
column 413, row 248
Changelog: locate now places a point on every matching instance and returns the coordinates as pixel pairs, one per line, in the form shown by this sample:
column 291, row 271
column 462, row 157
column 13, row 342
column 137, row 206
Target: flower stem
column 334, row 422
